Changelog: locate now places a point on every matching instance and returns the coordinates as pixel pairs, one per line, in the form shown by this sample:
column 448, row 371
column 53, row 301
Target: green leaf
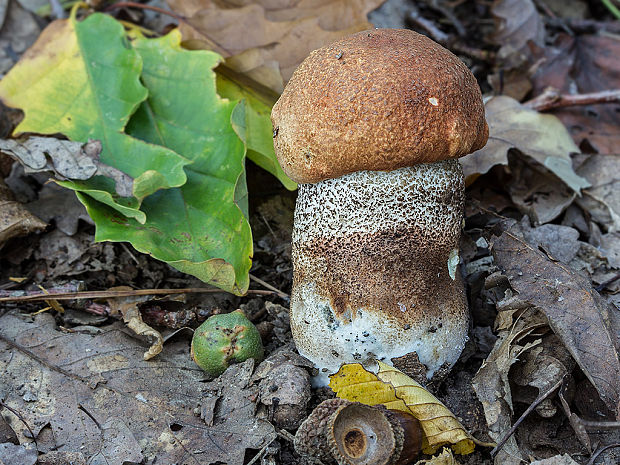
column 81, row 79
column 200, row 228
column 255, row 126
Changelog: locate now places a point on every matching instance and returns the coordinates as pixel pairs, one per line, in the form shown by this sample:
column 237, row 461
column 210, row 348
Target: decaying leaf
column 274, row 33
column 445, row 458
column 60, row 205
column 67, row 160
column 517, row 23
column 602, row 199
column 15, row 219
column 541, row 137
column 579, row 64
column 101, row 371
column 493, row 387
column 127, row 307
column 81, row 80
column 563, row 459
column 536, row 191
column 397, row 391
column 576, row 312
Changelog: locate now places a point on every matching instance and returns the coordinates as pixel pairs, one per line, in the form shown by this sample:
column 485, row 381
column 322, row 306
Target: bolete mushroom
column 371, row 126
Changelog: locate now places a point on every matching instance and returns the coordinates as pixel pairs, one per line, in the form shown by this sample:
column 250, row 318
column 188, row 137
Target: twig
column 126, row 293
column 284, row 295
column 260, row 452
column 552, row 98
column 444, row 39
column 450, row 16
column 214, row 44
column 604, row 284
column 22, row 419
column 534, row 404
column 141, row 6
column 437, row 34
column 286, row 435
column 599, row 451
column 585, row 25
column 81, row 407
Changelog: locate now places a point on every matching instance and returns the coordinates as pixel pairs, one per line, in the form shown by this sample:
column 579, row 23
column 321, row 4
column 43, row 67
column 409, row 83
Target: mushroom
column 371, row 126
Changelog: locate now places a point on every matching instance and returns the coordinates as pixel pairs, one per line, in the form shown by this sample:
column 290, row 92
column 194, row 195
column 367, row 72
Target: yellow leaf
column 397, row 391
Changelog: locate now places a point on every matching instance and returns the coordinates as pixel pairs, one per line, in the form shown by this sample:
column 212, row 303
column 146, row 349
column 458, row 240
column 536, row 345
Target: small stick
column 277, row 291
column 534, row 404
column 552, row 98
column 125, row 293
column 22, row 419
column 603, row 285
column 599, row 452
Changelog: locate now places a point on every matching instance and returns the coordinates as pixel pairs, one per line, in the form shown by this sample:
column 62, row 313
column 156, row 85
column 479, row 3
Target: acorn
column 351, row 433
column 223, row 340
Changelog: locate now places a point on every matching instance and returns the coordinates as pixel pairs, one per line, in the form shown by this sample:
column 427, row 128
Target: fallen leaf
column 492, row 385
column 277, row 32
column 564, row 459
column 104, row 373
column 15, row 219
column 60, row 205
column 253, row 124
column 127, row 307
column 602, row 199
column 581, row 64
column 19, row 31
column 67, row 160
column 517, row 22
column 541, row 137
column 80, row 79
column 397, row 391
column 200, row 228
column 560, row 243
column 576, row 313
column 12, row 454
column 536, row 191
column 445, row 458
column 118, row 445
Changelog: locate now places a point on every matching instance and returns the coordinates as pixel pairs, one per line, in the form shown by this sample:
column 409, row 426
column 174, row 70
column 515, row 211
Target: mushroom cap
column 377, row 100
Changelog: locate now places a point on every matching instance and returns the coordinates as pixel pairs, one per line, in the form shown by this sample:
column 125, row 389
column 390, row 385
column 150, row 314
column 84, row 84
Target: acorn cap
column 377, row 100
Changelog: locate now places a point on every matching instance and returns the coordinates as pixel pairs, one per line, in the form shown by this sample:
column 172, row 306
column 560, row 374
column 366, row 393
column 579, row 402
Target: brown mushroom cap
column 377, row 100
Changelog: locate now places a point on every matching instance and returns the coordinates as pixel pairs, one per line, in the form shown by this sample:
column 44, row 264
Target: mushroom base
column 375, row 257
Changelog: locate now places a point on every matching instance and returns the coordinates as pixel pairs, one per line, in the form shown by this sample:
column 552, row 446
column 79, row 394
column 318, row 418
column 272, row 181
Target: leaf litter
column 527, row 326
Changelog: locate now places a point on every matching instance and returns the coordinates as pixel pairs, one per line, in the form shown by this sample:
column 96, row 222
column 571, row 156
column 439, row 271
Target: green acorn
column 225, row 339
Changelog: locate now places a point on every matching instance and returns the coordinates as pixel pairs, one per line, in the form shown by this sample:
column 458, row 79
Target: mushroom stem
column 374, row 256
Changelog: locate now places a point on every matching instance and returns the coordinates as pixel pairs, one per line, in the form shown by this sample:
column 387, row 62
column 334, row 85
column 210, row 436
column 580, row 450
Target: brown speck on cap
column 398, row 99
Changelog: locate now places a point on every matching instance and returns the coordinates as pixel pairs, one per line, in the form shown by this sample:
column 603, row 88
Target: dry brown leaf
column 101, row 371
column 397, row 391
column 492, row 386
column 445, row 458
column 582, row 64
column 256, row 36
column 576, row 312
column 517, row 22
column 15, row 219
column 564, row 459
column 128, row 308
column 602, row 199
column 541, row 137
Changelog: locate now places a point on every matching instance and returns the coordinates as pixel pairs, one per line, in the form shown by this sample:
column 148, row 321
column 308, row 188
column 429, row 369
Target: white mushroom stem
column 374, row 268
